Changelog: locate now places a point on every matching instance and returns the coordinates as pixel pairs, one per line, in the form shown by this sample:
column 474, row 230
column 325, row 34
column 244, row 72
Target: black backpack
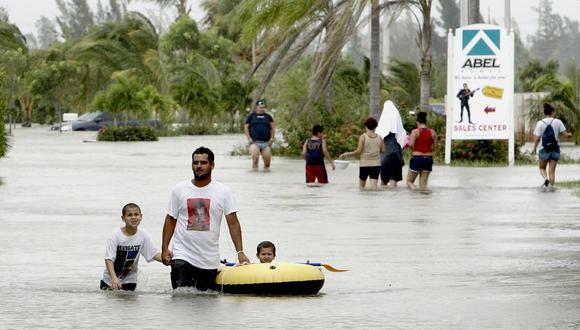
column 549, row 141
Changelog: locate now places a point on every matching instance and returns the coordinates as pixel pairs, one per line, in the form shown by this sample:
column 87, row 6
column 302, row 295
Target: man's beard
column 201, row 177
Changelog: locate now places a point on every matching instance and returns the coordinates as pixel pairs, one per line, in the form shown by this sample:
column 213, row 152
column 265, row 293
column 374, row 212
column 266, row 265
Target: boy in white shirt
column 123, row 250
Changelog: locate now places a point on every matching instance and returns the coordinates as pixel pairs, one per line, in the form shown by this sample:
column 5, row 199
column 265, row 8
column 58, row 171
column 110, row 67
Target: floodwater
column 487, row 249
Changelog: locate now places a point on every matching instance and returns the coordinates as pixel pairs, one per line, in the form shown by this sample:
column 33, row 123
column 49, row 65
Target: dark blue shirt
column 259, row 125
column 314, row 155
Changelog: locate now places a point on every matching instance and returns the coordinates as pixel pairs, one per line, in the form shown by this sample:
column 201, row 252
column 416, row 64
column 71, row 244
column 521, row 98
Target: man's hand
column 243, row 259
column 166, row 256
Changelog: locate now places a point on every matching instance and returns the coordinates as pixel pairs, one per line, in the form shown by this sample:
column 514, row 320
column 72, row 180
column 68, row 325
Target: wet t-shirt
column 124, row 252
column 259, row 125
column 199, row 212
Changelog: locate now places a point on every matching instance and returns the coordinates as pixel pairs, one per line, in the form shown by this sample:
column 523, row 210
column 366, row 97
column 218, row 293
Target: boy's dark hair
column 204, row 150
column 548, row 109
column 422, row 117
column 266, row 244
column 317, row 129
column 371, row 123
column 130, row 206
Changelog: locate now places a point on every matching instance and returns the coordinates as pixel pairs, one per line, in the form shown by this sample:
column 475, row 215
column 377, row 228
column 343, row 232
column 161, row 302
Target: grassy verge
column 571, row 184
column 574, row 184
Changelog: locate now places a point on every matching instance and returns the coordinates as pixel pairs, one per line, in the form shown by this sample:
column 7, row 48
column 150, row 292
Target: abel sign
column 480, row 85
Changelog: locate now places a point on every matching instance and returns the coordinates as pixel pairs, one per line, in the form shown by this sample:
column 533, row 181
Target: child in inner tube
column 266, row 252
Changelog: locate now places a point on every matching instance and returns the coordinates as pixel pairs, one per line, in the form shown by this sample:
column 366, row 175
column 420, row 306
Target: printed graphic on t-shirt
column 125, row 259
column 198, row 214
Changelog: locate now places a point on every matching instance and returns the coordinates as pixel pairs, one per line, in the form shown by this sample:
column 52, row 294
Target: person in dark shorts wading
column 193, row 222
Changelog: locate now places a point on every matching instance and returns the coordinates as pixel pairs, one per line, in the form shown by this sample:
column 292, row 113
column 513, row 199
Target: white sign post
column 480, row 61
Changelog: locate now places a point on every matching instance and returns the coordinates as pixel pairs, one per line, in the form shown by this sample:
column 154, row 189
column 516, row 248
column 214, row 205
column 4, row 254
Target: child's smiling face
column 132, row 217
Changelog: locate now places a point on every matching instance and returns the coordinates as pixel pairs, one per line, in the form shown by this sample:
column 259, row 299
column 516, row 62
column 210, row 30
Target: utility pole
column 507, row 16
column 463, row 9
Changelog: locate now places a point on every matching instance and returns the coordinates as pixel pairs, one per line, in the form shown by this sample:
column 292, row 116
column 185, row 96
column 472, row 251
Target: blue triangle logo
column 493, row 36
column 480, row 49
column 468, row 35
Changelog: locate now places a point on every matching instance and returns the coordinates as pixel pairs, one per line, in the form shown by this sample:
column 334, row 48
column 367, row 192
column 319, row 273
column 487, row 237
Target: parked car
column 94, row 121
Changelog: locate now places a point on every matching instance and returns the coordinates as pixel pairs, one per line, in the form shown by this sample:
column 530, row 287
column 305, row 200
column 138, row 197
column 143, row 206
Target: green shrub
column 481, row 151
column 127, row 134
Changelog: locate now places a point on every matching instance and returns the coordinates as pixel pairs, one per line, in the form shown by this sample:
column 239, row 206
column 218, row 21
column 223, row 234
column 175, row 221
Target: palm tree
column 218, row 18
column 284, row 30
column 425, row 32
column 131, row 43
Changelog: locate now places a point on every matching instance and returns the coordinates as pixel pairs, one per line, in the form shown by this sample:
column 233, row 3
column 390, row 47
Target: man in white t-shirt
column 193, row 222
column 548, row 155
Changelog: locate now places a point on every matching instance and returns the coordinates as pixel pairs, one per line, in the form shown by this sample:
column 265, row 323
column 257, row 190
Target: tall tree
column 218, row 18
column 46, row 32
column 449, row 13
column 544, row 43
column 114, row 12
column 76, row 18
column 424, row 44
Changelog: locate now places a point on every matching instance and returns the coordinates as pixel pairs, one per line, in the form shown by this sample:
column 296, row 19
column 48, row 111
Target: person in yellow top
column 370, row 147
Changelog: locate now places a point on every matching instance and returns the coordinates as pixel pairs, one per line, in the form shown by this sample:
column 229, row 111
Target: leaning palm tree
column 117, row 46
column 284, row 30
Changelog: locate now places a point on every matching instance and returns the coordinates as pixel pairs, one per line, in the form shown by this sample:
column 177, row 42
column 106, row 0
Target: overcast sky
column 25, row 13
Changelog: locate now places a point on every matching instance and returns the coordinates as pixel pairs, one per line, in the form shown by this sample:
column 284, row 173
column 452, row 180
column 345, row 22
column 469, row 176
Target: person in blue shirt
column 260, row 131
column 314, row 151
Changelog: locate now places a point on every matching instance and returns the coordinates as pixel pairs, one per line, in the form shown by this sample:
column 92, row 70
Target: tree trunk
column 375, row 74
column 329, row 96
column 276, row 62
column 425, row 35
column 26, row 103
column 182, row 8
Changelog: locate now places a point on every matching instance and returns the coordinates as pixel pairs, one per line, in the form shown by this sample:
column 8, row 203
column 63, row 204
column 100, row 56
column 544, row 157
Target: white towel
column 390, row 122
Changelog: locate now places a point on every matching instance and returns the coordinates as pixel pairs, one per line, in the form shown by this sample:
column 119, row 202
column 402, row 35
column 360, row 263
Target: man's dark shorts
column 184, row 274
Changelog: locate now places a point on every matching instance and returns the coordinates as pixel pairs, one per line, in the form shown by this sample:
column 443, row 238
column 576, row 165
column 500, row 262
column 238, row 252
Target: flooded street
column 487, row 249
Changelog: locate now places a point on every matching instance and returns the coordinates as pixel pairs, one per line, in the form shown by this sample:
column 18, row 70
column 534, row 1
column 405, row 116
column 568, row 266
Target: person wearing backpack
column 547, row 131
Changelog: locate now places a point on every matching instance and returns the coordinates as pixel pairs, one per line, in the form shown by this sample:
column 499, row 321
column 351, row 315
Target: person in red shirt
column 422, row 141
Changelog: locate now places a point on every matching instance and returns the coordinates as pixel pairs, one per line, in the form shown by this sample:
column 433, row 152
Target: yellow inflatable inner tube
column 270, row 278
